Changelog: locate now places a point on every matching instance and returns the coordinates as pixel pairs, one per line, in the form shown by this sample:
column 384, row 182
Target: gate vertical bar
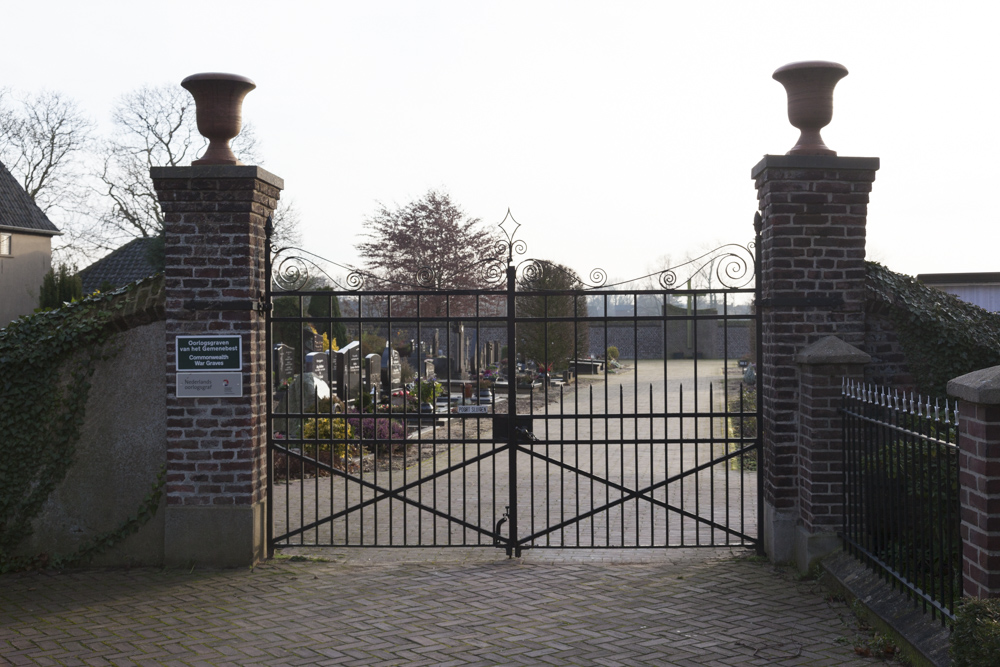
column 268, row 389
column 512, row 547
column 758, row 224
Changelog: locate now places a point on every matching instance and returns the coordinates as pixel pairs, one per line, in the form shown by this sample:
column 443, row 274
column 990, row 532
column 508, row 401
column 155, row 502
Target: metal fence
column 901, row 492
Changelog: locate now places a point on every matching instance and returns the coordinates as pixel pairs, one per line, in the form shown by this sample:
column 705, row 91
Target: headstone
column 392, row 370
column 311, row 342
column 429, row 368
column 283, row 359
column 348, row 371
column 317, row 364
column 331, row 364
column 373, row 371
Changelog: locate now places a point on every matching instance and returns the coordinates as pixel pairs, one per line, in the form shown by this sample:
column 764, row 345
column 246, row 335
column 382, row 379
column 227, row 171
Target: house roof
column 125, row 265
column 18, row 211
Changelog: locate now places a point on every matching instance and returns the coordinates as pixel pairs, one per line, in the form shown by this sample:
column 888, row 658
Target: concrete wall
column 21, row 274
column 120, row 451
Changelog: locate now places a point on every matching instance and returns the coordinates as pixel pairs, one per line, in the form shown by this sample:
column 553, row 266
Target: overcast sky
column 616, row 132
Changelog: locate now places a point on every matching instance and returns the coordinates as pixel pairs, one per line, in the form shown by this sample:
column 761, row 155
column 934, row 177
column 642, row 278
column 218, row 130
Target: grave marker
column 349, row 371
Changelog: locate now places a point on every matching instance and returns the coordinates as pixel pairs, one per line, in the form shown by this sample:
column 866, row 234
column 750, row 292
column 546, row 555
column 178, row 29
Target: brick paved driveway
column 431, row 607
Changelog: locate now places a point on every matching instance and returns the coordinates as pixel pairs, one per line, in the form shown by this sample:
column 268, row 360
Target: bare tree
column 287, row 225
column 429, row 242
column 43, row 139
column 156, row 127
column 101, row 195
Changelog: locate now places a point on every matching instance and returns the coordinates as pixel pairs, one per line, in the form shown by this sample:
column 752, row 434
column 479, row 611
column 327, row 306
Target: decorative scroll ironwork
column 294, row 268
column 731, row 266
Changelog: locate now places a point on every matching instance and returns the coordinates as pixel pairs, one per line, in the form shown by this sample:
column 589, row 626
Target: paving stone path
column 431, row 607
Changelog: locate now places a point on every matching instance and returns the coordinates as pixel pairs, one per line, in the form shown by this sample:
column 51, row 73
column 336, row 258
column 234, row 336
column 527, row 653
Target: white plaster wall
column 121, row 449
column 21, row 275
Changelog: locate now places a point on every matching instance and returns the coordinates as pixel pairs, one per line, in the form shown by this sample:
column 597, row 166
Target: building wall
column 984, row 296
column 21, row 274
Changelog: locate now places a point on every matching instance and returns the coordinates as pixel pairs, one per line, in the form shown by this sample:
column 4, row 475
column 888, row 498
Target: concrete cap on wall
column 832, row 350
column 982, row 386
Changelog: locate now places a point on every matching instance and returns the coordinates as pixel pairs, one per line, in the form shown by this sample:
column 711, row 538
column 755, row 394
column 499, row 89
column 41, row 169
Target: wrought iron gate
column 511, row 424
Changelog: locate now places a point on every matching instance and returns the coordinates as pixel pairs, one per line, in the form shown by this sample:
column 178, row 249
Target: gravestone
column 392, row 370
column 428, row 368
column 349, row 371
column 317, row 364
column 283, row 359
column 311, row 342
column 373, row 371
column 331, row 364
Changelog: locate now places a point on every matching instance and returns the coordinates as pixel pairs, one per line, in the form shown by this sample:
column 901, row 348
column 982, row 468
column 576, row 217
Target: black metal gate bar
column 405, row 474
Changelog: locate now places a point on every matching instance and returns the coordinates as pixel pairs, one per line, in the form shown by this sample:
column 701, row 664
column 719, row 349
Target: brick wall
column 813, row 215
column 979, row 477
column 214, row 219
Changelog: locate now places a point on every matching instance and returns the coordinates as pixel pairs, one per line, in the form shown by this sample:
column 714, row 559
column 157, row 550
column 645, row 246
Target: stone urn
column 218, row 99
column 809, row 86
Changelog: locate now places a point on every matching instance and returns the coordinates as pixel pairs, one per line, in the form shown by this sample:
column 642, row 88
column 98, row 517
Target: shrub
column 378, row 434
column 406, row 371
column 975, row 639
column 59, row 288
column 612, row 352
column 743, row 427
column 372, row 343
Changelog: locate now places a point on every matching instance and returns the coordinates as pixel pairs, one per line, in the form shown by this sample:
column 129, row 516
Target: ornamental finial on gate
column 509, row 227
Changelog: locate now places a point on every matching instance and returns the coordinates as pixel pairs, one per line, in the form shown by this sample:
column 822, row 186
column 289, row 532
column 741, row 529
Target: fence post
column 823, row 366
column 979, row 479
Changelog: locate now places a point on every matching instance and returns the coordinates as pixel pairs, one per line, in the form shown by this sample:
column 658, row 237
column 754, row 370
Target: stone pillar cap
column 831, row 350
column 982, row 386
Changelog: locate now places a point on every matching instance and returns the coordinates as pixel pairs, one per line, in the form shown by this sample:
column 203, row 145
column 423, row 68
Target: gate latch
column 500, row 523
column 525, row 434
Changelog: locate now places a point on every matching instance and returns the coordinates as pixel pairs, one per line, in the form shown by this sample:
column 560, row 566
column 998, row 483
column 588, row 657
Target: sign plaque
column 209, row 353
column 209, row 385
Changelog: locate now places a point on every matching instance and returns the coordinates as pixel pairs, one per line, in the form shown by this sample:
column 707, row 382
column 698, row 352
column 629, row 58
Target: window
column 4, row 244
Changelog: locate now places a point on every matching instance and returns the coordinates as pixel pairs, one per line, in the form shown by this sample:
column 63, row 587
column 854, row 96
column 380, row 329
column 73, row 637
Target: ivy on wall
column 942, row 336
column 46, row 362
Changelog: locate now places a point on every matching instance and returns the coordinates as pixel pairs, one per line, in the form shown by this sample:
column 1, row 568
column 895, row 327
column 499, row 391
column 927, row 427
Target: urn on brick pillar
column 813, row 210
column 214, row 216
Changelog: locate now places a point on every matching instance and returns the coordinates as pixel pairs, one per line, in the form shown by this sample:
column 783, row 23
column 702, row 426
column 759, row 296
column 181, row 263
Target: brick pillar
column 813, row 214
column 214, row 220
column 979, row 479
column 823, row 366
